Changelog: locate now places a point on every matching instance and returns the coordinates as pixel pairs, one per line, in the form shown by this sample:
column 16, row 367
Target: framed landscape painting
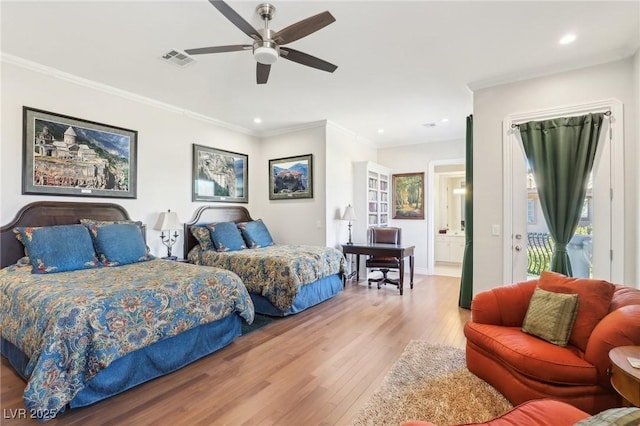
column 291, row 177
column 220, row 175
column 63, row 155
column 408, row 194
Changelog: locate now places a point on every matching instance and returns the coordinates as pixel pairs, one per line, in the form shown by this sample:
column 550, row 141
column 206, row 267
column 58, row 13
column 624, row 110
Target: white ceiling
column 400, row 64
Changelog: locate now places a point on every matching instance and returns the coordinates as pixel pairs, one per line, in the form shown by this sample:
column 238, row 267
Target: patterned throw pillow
column 627, row 416
column 119, row 244
column 226, row 236
column 551, row 316
column 58, row 248
column 202, row 234
column 256, row 234
column 593, row 304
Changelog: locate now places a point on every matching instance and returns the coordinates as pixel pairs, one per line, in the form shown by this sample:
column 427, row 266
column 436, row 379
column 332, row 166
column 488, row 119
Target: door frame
column 616, row 207
column 431, row 223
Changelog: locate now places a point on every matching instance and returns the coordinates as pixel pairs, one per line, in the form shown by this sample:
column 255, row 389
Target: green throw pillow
column 550, row 316
column 628, row 416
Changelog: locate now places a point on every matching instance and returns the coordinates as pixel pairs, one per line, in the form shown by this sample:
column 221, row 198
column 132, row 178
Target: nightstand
column 177, row 259
column 625, row 379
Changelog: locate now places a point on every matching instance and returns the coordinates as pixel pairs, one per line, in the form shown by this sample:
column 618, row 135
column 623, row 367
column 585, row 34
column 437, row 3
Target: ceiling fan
column 268, row 45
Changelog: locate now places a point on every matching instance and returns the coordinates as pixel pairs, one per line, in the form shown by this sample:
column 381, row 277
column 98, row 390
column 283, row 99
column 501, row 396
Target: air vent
column 178, row 58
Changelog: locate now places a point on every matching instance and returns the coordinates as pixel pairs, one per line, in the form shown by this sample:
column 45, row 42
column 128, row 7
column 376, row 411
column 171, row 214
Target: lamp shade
column 167, row 221
column 349, row 213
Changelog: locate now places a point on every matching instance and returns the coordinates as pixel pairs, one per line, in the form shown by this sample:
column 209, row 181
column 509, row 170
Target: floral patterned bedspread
column 73, row 324
column 275, row 272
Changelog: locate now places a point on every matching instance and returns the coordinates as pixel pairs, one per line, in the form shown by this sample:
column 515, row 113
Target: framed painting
column 220, row 175
column 291, row 177
column 69, row 156
column 408, row 194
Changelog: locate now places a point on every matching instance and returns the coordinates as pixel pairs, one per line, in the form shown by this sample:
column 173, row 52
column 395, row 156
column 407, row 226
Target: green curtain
column 561, row 153
column 466, row 281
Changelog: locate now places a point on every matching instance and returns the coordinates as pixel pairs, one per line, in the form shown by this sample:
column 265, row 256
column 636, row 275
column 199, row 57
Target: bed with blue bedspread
column 281, row 279
column 81, row 335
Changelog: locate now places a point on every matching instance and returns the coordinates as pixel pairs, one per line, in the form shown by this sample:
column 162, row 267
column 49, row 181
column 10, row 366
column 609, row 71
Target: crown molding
column 610, row 56
column 74, row 79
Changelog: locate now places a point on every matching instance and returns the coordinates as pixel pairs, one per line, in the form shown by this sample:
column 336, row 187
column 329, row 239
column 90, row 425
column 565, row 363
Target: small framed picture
column 408, row 195
column 291, row 177
column 220, row 175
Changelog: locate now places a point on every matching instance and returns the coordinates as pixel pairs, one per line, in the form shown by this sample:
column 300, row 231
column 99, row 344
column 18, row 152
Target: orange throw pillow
column 594, row 298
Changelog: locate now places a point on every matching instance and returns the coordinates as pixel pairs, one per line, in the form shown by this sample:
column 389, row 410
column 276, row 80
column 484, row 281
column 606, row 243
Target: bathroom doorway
column 446, row 218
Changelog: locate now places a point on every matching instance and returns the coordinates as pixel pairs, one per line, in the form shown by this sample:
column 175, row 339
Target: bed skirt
column 147, row 363
column 309, row 295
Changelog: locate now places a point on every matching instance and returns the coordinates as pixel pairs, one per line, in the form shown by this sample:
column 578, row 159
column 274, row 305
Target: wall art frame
column 219, row 175
column 69, row 156
column 408, row 195
column 291, row 177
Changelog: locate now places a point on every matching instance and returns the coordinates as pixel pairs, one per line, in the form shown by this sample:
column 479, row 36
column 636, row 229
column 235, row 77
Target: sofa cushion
column 551, row 316
column 542, row 412
column 594, row 299
column 531, row 356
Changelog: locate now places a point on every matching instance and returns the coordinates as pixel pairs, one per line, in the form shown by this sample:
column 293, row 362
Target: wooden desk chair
column 384, row 235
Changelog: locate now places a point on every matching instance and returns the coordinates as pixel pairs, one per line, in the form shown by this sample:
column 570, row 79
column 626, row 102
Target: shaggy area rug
column 431, row 382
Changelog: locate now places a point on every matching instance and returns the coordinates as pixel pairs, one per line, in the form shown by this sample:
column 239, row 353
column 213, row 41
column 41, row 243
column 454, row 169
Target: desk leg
column 411, row 269
column 401, row 280
column 357, row 268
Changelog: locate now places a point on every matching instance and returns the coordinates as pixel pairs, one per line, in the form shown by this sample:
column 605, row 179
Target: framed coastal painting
column 408, row 196
column 69, row 156
column 291, row 177
column 220, row 175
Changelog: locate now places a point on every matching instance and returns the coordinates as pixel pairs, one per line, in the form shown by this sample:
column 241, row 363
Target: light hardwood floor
column 318, row 367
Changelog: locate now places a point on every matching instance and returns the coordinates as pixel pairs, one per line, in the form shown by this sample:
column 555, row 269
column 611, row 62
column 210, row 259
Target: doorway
column 446, row 181
column 600, row 252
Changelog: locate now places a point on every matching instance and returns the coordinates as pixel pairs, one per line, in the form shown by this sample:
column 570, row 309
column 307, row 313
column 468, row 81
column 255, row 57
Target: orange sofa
column 524, row 367
column 542, row 412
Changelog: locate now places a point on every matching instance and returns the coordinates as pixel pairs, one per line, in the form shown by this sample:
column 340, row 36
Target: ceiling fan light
column 265, row 55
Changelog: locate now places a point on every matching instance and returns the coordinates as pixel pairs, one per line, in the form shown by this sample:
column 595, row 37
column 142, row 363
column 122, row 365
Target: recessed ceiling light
column 444, row 120
column 567, row 39
column 380, row 130
column 257, row 120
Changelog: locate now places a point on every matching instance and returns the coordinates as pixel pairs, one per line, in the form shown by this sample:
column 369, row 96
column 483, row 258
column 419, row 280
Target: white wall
column 165, row 141
column 343, row 149
column 635, row 117
column 300, row 221
column 492, row 105
column 416, row 158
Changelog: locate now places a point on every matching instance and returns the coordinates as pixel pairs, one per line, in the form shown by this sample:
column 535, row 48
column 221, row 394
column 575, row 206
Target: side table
column 625, row 379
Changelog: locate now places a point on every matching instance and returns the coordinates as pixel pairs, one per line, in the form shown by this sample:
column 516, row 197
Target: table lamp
column 168, row 221
column 350, row 215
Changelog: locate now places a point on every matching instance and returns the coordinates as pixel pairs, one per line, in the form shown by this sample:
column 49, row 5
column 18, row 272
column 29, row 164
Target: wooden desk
column 391, row 250
column 625, row 379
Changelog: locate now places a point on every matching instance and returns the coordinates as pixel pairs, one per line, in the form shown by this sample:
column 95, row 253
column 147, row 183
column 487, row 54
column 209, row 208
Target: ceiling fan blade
column 218, row 49
column 303, row 28
column 262, row 73
column 236, row 19
column 306, row 59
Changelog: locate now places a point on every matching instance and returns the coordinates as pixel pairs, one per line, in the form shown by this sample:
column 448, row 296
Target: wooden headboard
column 48, row 213
column 212, row 214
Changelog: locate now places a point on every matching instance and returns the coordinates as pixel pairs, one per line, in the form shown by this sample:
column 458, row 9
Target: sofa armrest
column 619, row 328
column 504, row 306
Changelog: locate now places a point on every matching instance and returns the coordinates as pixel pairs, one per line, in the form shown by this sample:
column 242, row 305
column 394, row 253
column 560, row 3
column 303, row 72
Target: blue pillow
column 226, row 236
column 256, row 234
column 58, row 248
column 119, row 243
